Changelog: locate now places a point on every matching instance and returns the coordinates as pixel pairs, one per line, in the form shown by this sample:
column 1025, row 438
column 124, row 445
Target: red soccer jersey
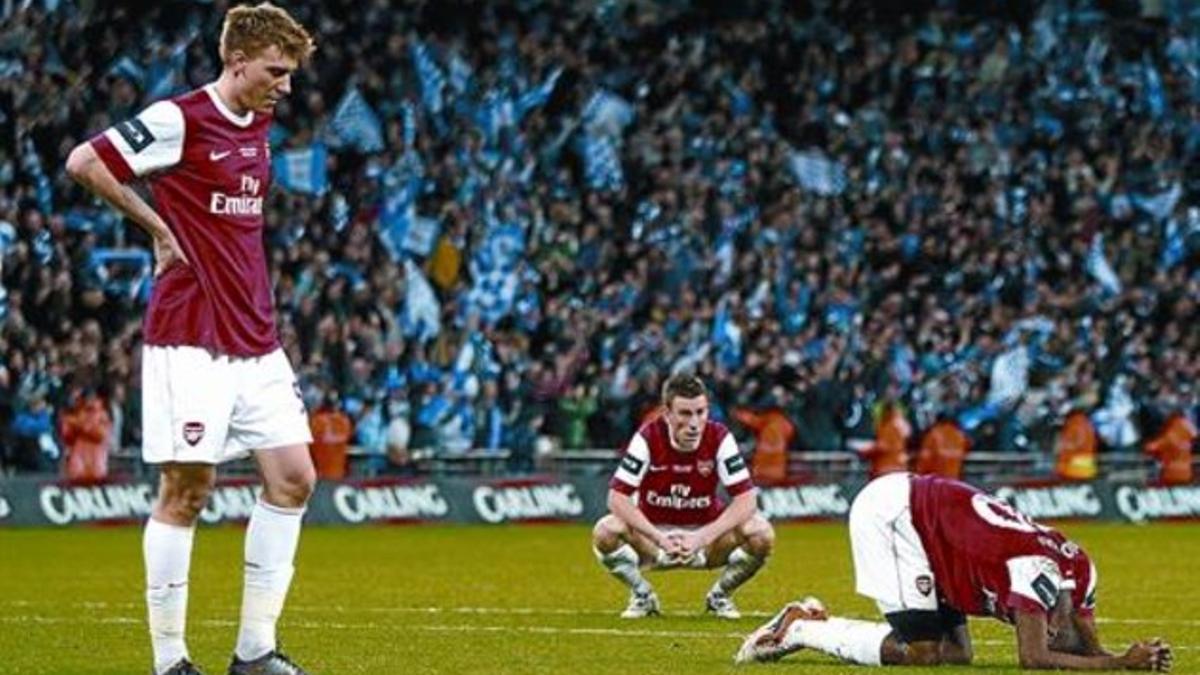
column 209, row 170
column 680, row 488
column 990, row 560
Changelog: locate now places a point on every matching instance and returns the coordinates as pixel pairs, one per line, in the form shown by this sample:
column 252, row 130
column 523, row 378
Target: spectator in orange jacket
column 86, row 432
column 1173, row 448
column 332, row 430
column 943, row 447
column 773, row 433
column 889, row 452
column 1076, row 448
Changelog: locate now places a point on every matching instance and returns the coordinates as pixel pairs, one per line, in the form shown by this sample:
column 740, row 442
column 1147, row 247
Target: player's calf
column 756, row 541
column 618, row 550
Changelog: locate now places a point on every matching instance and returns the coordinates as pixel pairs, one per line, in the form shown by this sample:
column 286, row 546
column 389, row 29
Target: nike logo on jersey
column 216, row 156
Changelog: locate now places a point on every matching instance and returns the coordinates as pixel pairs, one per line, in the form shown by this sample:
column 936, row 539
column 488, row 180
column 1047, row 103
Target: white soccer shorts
column 208, row 408
column 890, row 564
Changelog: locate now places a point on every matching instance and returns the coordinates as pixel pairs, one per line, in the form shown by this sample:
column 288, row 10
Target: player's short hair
column 253, row 29
column 682, row 385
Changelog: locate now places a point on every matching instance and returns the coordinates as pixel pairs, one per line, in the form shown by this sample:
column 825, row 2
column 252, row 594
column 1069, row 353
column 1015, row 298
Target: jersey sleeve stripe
column 739, row 487
column 112, row 158
column 1023, row 603
column 621, row 486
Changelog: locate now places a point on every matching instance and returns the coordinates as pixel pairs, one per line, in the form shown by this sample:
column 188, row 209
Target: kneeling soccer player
column 931, row 551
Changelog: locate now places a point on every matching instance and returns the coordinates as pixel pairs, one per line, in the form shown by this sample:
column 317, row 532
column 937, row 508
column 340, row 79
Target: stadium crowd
column 496, row 224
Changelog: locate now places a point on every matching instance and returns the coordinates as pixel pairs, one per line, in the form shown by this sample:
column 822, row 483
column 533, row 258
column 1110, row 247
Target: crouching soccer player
column 673, row 466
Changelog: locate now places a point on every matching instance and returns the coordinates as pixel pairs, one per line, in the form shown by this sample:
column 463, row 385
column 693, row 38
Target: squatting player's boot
column 182, row 667
column 766, row 642
column 271, row 663
column 641, row 604
column 722, row 605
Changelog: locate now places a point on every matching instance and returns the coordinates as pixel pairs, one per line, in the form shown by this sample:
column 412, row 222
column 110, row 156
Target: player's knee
column 760, row 538
column 956, row 654
column 921, row 653
column 293, row 487
column 607, row 534
column 962, row 658
column 181, row 503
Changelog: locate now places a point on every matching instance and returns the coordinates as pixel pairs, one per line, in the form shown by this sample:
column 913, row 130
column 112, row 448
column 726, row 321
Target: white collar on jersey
column 240, row 120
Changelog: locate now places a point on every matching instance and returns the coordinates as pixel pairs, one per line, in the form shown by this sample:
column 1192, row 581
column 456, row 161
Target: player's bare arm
column 738, row 513
column 621, row 506
column 1034, row 651
column 85, row 167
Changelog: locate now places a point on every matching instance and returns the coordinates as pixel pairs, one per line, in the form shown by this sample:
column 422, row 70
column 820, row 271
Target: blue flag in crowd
column 129, row 69
column 1161, row 205
column 396, row 214
column 1174, row 244
column 355, row 123
column 460, row 74
column 430, row 76
column 421, row 235
column 127, row 272
column 408, row 114
column 726, row 337
column 817, row 173
column 537, row 97
column 1093, row 59
column 166, row 76
column 494, row 113
column 421, row 314
column 302, row 169
column 1156, row 100
column 606, row 113
column 601, row 163
column 1099, row 267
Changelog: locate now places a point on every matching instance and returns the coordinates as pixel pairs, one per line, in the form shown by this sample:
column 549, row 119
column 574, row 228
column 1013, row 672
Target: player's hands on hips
column 1152, row 655
column 167, row 251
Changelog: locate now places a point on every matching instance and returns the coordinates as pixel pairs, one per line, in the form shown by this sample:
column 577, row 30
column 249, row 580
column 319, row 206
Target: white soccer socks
column 623, row 564
column 167, row 551
column 271, row 540
column 848, row 639
column 741, row 566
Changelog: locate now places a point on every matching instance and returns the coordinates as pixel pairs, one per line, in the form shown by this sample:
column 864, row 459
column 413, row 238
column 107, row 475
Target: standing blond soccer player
column 216, row 384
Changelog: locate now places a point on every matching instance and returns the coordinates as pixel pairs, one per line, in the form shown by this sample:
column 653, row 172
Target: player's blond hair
column 253, row 29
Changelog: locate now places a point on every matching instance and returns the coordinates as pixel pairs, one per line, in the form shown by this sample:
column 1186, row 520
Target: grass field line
column 524, row 611
column 441, row 628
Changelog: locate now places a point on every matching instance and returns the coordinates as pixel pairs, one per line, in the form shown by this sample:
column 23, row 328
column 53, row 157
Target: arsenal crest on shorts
column 925, row 584
column 193, row 432
column 705, row 467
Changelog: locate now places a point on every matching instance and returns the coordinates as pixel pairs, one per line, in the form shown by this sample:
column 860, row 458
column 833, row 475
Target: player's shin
column 624, row 565
column 858, row 642
column 167, row 550
column 740, row 568
column 271, row 540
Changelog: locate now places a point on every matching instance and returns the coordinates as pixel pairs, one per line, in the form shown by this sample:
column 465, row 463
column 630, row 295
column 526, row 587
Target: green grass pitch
column 526, row 599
